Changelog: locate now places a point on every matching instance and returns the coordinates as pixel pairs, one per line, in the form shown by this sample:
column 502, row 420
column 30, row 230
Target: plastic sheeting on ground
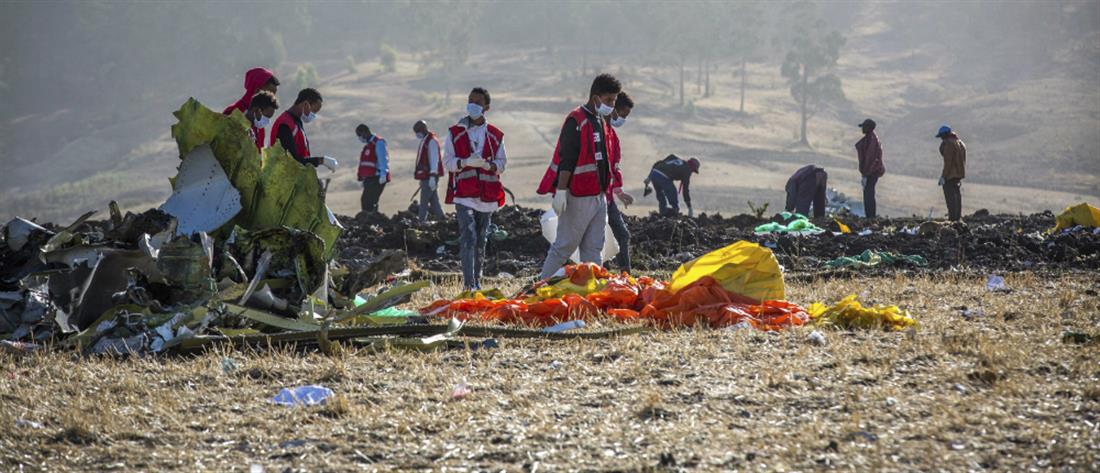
column 795, row 224
column 1081, row 214
column 850, row 314
column 874, row 258
column 740, row 283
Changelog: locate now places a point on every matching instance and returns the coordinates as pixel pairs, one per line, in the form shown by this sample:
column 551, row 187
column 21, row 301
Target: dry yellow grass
column 1002, row 391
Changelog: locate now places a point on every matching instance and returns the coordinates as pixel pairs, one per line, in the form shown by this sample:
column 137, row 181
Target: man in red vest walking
column 474, row 157
column 429, row 166
column 580, row 174
column 374, row 168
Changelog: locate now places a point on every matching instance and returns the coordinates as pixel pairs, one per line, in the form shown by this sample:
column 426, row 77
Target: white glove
column 433, row 182
column 329, row 162
column 478, row 163
column 381, row 178
column 625, row 198
column 941, row 181
column 863, row 182
column 559, row 201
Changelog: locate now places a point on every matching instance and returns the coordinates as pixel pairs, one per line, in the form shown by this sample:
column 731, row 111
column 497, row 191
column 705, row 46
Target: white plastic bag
column 549, row 223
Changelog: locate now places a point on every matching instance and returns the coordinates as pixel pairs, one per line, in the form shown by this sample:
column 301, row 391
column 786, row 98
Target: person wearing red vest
column 255, row 80
column 623, row 106
column 580, row 173
column 289, row 129
column 374, row 168
column 260, row 110
column 474, row 158
column 429, row 166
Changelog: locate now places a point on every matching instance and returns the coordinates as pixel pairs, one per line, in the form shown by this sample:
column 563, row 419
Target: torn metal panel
column 203, row 198
column 19, row 230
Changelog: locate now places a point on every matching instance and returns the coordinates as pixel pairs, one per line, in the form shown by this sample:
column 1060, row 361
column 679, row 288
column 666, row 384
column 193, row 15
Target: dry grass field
column 1007, row 390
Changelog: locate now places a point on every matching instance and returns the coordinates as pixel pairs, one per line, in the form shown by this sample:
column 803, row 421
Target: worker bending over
column 807, row 186
column 289, row 129
column 663, row 174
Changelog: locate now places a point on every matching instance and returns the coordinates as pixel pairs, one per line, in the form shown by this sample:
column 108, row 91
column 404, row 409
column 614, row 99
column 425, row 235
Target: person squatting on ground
column 374, row 168
column 806, row 186
column 869, row 150
column 579, row 176
column 953, row 151
column 255, row 80
column 429, row 166
column 663, row 174
column 623, row 106
column 289, row 129
column 474, row 157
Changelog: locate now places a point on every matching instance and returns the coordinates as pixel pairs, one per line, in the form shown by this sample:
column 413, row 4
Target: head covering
column 254, row 79
column 943, row 131
column 693, row 163
column 868, row 123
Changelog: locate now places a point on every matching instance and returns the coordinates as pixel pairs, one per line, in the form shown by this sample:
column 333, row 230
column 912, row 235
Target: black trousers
column 372, row 191
column 870, row 208
column 952, row 193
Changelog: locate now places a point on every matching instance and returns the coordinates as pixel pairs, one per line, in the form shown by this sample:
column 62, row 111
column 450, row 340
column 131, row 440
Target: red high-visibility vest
column 586, row 176
column 423, row 170
column 614, row 161
column 368, row 159
column 301, row 143
column 471, row 182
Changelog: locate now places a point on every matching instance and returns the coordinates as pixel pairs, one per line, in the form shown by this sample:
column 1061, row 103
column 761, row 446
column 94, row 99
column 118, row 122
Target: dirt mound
column 985, row 242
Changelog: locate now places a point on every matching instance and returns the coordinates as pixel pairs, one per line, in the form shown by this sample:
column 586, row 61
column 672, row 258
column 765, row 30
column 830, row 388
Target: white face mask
column 421, row 136
column 604, row 110
column 474, row 110
column 261, row 122
column 617, row 121
column 363, row 140
column 309, row 117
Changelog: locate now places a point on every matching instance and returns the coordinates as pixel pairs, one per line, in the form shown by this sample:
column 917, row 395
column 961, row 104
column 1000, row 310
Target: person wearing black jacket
column 662, row 175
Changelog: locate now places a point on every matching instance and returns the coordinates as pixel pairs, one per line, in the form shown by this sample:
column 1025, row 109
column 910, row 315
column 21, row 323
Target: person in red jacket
column 869, row 150
column 474, row 156
column 623, row 106
column 260, row 110
column 289, row 129
column 374, row 168
column 429, row 166
column 581, row 176
column 255, row 80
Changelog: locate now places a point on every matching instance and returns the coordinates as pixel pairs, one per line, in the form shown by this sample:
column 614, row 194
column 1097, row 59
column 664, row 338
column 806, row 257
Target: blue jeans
column 622, row 234
column 473, row 235
column 667, row 199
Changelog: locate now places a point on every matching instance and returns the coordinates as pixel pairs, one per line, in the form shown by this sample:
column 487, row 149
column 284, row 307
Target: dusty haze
column 88, row 89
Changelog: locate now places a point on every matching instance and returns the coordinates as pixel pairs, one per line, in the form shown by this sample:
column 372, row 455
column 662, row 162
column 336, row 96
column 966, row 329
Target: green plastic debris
column 873, row 258
column 799, row 226
column 276, row 190
column 395, row 312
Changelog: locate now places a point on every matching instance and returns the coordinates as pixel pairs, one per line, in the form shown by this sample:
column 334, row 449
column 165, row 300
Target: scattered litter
column 255, row 468
column 1079, row 338
column 850, row 314
column 865, row 232
column 874, row 258
column 792, row 224
column 460, row 391
column 555, row 364
column 891, row 402
column 997, row 284
column 1081, row 214
column 565, row 326
column 971, row 314
column 29, row 424
column 309, row 395
column 817, row 338
column 229, row 365
column 18, row 348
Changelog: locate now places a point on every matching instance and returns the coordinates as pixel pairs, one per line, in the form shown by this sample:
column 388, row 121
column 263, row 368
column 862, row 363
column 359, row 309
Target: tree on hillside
column 443, row 31
column 810, row 68
column 744, row 35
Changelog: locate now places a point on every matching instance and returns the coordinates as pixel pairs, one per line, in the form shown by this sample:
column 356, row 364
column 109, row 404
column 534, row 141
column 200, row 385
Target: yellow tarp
column 1081, row 214
column 743, row 268
column 849, row 313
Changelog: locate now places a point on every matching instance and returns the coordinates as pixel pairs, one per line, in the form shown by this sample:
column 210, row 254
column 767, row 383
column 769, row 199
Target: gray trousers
column 581, row 226
column 429, row 199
